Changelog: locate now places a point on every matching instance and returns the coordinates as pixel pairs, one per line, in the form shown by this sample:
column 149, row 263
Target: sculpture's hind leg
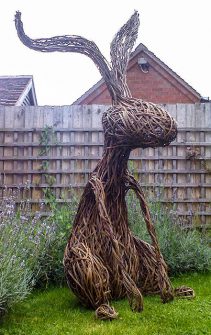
column 89, row 279
column 86, row 275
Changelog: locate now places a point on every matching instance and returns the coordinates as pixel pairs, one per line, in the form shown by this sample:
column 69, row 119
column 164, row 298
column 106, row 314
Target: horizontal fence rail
column 58, row 147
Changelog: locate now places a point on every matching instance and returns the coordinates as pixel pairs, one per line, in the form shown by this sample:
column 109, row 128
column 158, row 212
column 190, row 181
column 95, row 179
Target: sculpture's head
column 139, row 124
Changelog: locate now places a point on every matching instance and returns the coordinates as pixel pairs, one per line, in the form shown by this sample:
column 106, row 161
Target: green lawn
column 57, row 312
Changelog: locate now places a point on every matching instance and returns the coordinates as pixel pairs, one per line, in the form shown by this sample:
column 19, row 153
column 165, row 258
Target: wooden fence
column 58, row 147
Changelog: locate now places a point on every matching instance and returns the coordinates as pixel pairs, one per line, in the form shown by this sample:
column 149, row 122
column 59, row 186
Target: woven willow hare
column 103, row 260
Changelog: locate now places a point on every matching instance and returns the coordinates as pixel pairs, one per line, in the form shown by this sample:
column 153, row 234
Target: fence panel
column 58, row 147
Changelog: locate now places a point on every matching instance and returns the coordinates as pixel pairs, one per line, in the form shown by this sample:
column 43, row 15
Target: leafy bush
column 31, row 247
column 183, row 250
column 61, row 219
column 23, row 239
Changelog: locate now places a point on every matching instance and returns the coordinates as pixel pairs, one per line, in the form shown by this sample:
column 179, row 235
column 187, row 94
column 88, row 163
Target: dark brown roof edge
column 88, row 92
column 29, row 86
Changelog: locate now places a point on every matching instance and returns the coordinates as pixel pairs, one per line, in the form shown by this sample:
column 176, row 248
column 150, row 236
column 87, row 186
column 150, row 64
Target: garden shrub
column 23, row 241
column 32, row 246
column 183, row 249
column 61, row 219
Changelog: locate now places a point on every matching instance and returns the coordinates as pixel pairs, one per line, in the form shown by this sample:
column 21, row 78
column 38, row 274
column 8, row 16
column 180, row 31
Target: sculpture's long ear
column 122, row 45
column 71, row 43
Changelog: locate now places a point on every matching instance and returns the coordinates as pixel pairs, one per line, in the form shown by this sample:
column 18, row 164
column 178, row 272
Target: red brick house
column 17, row 91
column 149, row 79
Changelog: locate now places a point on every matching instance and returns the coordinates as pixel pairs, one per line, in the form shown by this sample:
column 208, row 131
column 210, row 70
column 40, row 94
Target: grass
column 56, row 311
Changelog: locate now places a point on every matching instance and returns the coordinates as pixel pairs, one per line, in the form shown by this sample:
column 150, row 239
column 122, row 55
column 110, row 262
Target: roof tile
column 11, row 88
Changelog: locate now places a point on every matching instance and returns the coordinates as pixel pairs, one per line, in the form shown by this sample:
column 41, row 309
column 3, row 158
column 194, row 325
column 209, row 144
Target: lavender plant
column 23, row 242
column 31, row 246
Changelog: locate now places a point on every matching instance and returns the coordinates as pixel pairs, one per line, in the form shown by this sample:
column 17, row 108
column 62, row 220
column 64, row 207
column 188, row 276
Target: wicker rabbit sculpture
column 103, row 260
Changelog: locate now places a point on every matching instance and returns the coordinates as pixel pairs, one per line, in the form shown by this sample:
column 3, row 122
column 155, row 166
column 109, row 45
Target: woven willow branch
column 70, row 43
column 121, row 48
column 102, row 259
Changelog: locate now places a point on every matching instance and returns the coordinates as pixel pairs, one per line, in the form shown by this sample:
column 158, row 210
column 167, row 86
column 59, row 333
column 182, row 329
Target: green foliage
column 50, row 180
column 31, row 247
column 57, row 312
column 23, row 239
column 61, row 218
column 183, row 250
column 47, row 137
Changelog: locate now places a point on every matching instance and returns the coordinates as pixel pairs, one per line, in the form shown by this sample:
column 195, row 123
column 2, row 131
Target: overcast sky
column 177, row 31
